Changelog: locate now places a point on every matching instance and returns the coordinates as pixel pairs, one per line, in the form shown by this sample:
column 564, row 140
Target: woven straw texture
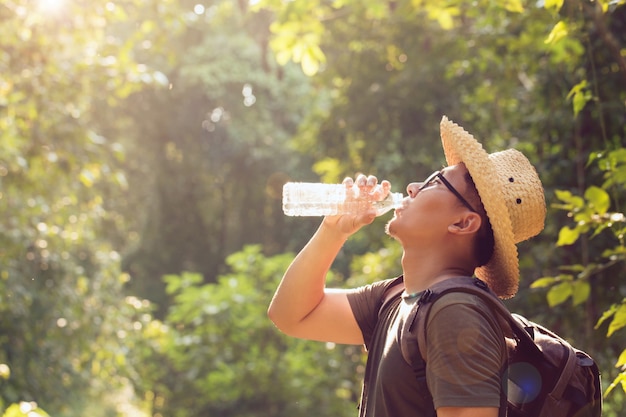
column 512, row 195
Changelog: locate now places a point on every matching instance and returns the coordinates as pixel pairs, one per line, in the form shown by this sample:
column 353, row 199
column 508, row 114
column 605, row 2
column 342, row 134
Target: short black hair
column 484, row 243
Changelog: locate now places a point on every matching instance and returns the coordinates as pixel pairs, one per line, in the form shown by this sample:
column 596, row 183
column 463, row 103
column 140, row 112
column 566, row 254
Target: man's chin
column 389, row 228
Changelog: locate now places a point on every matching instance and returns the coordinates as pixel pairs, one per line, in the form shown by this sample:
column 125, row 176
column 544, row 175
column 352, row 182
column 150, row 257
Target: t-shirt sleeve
column 365, row 302
column 465, row 353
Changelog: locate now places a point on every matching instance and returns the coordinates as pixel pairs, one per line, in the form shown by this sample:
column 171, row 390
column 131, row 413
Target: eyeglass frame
column 438, row 174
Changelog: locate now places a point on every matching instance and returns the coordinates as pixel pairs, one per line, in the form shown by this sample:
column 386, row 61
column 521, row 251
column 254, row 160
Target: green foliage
column 297, row 32
column 225, row 357
column 565, row 286
column 591, row 216
column 589, row 212
column 617, row 314
column 216, row 142
column 376, row 265
column 64, row 320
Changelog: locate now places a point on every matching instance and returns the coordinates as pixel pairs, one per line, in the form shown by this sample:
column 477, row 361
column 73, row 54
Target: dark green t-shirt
column 465, row 349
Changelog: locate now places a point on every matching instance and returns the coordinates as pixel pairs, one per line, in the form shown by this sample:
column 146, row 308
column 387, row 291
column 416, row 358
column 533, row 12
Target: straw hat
column 512, row 195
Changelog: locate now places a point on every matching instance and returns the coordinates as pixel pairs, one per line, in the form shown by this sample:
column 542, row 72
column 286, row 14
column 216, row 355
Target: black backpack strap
column 391, row 292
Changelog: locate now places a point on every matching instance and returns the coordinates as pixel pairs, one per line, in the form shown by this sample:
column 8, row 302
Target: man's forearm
column 302, row 286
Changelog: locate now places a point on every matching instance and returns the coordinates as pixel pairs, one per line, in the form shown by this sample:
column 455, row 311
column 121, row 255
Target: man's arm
column 302, row 306
column 466, row 354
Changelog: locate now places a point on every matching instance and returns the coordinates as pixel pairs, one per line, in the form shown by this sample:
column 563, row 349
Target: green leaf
column 583, row 219
column 580, row 291
column 606, row 315
column 572, row 268
column 619, row 320
column 599, row 229
column 619, row 380
column 580, row 101
column 554, row 5
column 543, row 282
column 444, row 16
column 567, row 197
column 559, row 293
column 172, row 283
column 598, row 199
column 618, row 252
column 581, row 86
column 580, row 95
column 559, row 31
column 617, row 157
column 567, row 236
column 594, row 156
column 514, row 6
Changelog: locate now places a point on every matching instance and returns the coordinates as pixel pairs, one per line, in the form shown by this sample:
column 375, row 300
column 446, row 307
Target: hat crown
column 522, row 192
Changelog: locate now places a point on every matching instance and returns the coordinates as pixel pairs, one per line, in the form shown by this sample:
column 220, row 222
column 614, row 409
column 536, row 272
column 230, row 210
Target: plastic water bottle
column 315, row 199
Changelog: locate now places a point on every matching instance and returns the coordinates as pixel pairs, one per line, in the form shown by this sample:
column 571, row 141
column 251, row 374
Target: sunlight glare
column 50, row 5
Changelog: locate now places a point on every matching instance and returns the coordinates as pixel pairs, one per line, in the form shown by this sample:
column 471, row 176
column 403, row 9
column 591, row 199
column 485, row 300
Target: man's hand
column 364, row 188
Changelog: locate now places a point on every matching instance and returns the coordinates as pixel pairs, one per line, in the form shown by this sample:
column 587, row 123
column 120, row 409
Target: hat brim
column 501, row 273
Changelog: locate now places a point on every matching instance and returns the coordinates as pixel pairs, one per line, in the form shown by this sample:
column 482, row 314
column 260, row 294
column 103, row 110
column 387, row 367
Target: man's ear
column 469, row 222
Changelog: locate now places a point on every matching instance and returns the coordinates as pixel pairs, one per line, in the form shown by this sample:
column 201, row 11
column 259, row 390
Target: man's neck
column 425, row 269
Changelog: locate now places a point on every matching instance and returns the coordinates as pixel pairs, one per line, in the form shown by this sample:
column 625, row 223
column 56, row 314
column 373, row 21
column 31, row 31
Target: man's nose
column 413, row 188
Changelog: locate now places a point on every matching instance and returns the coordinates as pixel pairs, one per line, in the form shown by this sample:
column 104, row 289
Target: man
column 462, row 221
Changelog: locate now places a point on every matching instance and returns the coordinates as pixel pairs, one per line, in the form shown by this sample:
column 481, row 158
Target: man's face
column 431, row 205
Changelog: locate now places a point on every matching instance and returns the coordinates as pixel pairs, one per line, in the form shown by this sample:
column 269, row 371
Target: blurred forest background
column 144, row 145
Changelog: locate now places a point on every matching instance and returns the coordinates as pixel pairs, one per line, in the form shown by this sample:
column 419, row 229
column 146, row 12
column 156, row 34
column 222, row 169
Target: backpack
column 547, row 377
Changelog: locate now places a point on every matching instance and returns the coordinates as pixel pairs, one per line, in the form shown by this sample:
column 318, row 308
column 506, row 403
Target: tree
column 209, row 161
column 64, row 319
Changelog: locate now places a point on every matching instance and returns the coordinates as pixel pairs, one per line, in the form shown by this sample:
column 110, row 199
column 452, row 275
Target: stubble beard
column 388, row 228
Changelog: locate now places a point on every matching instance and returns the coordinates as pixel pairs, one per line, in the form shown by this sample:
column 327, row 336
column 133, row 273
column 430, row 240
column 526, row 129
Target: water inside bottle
column 313, row 199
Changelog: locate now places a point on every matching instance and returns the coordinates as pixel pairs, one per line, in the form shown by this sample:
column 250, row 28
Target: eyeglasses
column 439, row 175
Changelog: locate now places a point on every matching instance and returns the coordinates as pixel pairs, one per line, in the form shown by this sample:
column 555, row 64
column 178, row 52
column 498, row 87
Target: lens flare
column 524, row 383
